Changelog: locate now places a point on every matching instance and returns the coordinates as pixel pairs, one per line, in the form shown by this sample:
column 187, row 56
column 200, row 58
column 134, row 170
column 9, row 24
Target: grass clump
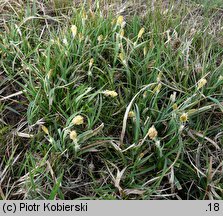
column 117, row 106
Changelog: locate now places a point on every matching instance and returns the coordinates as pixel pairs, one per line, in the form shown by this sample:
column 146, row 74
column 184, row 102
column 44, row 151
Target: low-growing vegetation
column 111, row 100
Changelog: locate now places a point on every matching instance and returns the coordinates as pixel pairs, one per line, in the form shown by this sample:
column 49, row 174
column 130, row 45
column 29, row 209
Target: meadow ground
column 111, row 99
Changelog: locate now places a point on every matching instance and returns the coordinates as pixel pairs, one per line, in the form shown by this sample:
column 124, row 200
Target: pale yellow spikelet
column 184, row 117
column 131, row 114
column 122, row 32
column 141, row 31
column 122, row 56
column 100, row 38
column 84, row 15
column 157, row 88
column 45, row 129
column 120, row 20
column 113, row 21
column 202, row 82
column 78, row 120
column 73, row 135
column 74, row 30
column 152, row 132
column 173, row 97
column 80, row 36
column 91, row 62
column 144, row 94
column 141, row 155
column 110, row 93
column 175, row 106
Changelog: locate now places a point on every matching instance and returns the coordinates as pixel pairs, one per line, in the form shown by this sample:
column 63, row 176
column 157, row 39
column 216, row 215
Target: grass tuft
column 99, row 103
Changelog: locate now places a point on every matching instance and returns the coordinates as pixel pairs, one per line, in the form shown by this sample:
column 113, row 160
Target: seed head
column 131, row 114
column 84, row 15
column 122, row 32
column 121, row 56
column 91, row 62
column 173, row 97
column 100, row 38
column 78, row 120
column 110, row 93
column 157, row 88
column 73, row 135
column 120, row 20
column 45, row 129
column 74, row 30
column 174, row 106
column 184, row 117
column 142, row 30
column 201, row 83
column 152, row 133
column 81, row 36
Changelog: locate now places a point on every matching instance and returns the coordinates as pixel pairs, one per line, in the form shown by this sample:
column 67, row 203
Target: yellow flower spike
column 152, row 132
column 141, row 155
column 175, row 106
column 91, row 62
column 110, row 93
column 122, row 56
column 151, row 44
column 157, row 88
column 144, row 94
column 45, row 129
column 73, row 135
column 120, row 20
column 113, row 22
column 184, row 117
column 100, row 38
column 84, row 15
column 131, row 114
column 74, row 30
column 122, row 32
column 49, row 75
column 202, row 82
column 81, row 36
column 142, row 30
column 78, row 120
column 173, row 97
